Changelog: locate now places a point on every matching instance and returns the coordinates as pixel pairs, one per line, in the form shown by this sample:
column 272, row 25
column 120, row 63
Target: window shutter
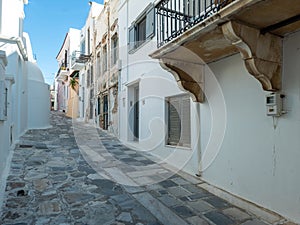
column 185, row 139
column 150, row 22
column 179, row 121
column 174, row 124
column 131, row 38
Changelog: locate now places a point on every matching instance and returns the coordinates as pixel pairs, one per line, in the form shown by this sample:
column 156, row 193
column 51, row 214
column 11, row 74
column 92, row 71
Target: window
column 114, row 50
column 88, row 78
column 141, row 32
column 92, row 75
column 3, row 101
column 179, row 121
column 143, row 29
column 82, row 47
column 89, row 41
column 104, row 58
column 98, row 63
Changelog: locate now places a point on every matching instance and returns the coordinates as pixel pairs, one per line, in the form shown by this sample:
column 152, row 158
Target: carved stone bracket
column 262, row 54
column 189, row 76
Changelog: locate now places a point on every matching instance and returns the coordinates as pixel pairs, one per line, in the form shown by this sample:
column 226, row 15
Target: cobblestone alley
column 74, row 173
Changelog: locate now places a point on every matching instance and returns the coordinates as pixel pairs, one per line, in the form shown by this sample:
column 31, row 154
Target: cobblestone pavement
column 74, row 173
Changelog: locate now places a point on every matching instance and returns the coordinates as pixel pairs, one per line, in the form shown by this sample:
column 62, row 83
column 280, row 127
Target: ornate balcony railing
column 174, row 17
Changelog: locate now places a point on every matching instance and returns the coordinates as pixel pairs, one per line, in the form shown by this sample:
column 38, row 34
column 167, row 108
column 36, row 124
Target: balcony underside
column 63, row 75
column 253, row 28
column 77, row 66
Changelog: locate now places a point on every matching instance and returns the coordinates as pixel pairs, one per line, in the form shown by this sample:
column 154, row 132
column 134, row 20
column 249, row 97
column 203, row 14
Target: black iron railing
column 174, row 17
column 79, row 57
column 63, row 66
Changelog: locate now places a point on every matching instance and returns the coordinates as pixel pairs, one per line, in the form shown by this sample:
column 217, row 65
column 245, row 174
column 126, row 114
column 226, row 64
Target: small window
column 88, row 78
column 92, row 75
column 98, row 64
column 179, row 121
column 89, row 41
column 143, row 29
column 141, row 32
column 3, row 101
column 82, row 47
column 104, row 58
column 114, row 50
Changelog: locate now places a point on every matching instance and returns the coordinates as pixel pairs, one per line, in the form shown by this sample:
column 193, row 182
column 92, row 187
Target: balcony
column 192, row 33
column 78, row 60
column 63, row 72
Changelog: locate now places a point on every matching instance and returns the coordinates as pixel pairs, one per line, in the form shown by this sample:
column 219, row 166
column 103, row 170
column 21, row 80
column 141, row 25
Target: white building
column 232, row 135
column 107, row 67
column 84, row 63
column 148, row 92
column 21, row 108
column 67, row 98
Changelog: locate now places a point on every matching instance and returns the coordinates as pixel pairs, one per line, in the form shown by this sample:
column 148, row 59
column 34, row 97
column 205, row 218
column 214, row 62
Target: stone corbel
column 189, row 76
column 262, row 54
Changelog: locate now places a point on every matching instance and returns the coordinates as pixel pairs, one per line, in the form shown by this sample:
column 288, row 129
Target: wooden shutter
column 131, row 38
column 179, row 121
column 185, row 139
column 174, row 124
column 150, row 22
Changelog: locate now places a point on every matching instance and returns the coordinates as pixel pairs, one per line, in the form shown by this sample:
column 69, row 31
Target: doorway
column 105, row 112
column 136, row 111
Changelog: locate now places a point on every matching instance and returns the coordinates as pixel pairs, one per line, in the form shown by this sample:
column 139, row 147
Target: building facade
column 240, row 63
column 84, row 62
column 107, row 66
column 155, row 114
column 20, row 79
column 99, row 65
column 67, row 77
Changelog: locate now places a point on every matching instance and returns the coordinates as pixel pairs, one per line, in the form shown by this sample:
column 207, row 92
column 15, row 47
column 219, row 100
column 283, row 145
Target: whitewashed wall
column 155, row 84
column 256, row 161
column 38, row 95
column 16, row 76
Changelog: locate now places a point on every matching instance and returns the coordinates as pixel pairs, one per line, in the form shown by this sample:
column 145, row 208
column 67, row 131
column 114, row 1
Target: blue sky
column 47, row 23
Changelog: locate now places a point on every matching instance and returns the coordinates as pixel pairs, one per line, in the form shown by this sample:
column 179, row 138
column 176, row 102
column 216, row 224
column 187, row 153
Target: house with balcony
column 156, row 116
column 239, row 61
column 107, row 67
column 67, row 76
column 21, row 108
column 83, row 62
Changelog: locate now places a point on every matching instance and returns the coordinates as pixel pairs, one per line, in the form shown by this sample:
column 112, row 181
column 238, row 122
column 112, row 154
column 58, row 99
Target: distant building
column 67, row 78
column 52, row 97
column 107, row 67
column 84, row 63
column 24, row 95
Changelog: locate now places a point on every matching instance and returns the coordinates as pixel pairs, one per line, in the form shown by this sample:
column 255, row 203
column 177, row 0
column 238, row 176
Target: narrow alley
column 70, row 174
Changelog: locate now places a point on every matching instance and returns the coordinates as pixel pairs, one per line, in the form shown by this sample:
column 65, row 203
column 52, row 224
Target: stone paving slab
column 74, row 173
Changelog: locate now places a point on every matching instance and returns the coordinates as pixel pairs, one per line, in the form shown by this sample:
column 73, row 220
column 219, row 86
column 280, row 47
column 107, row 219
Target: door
column 105, row 112
column 136, row 114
